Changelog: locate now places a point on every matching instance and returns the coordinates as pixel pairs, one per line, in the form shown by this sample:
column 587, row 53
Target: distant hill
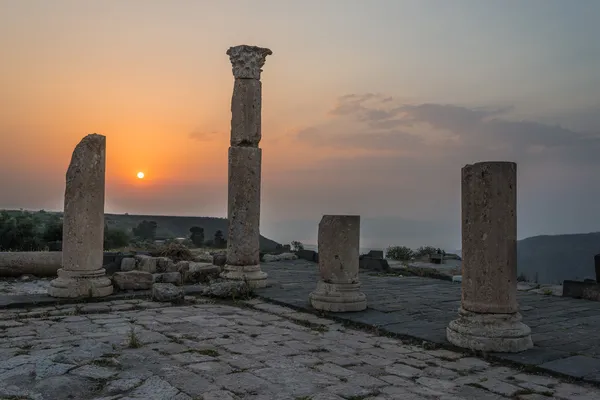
column 554, row 258
column 171, row 226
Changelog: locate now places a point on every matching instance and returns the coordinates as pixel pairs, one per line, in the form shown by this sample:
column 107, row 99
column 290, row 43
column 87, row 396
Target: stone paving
column 564, row 330
column 136, row 349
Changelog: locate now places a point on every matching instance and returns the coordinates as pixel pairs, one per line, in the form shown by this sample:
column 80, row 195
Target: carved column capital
column 247, row 61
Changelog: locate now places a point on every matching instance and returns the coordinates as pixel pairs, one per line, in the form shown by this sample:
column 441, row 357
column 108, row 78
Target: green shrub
column 400, row 253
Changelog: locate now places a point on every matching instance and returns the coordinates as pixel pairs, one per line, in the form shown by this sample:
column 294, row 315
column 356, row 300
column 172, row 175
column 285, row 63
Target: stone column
column 243, row 239
column 489, row 318
column 338, row 288
column 82, row 274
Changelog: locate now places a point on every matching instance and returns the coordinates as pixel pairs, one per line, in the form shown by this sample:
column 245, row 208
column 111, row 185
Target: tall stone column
column 243, row 241
column 489, row 318
column 82, row 274
column 338, row 288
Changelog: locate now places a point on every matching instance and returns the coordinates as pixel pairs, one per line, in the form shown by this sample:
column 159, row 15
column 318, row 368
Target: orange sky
column 153, row 77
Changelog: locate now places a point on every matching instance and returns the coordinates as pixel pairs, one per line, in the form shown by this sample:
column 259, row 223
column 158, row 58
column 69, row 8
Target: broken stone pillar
column 489, row 318
column 338, row 288
column 243, row 239
column 82, row 274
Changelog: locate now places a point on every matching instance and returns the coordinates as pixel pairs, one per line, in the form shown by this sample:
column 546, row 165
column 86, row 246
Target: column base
column 81, row 284
column 250, row 273
column 503, row 333
column 338, row 297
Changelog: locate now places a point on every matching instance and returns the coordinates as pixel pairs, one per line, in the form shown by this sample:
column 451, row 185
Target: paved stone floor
column 564, row 330
column 135, row 349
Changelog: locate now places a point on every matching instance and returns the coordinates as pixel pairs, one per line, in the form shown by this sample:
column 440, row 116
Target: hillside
column 554, row 258
column 169, row 226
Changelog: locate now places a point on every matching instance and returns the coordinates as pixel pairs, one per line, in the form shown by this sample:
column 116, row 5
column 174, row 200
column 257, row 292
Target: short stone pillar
column 243, row 239
column 338, row 288
column 489, row 318
column 82, row 274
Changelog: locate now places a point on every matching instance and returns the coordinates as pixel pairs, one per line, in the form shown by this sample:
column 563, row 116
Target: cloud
column 204, row 135
column 445, row 131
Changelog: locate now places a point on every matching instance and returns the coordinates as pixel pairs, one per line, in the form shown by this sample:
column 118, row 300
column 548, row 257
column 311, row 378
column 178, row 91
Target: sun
column 140, row 175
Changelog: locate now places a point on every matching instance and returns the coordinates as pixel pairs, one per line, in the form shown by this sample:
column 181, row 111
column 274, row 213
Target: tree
column 18, row 232
column 218, row 241
column 400, row 253
column 115, row 238
column 197, row 236
column 425, row 251
column 146, row 230
column 296, row 245
column 53, row 232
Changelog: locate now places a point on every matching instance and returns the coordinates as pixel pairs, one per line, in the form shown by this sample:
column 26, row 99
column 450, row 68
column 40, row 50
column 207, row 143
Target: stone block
column 374, row 264
column 128, row 264
column 168, row 277
column 133, row 280
column 145, row 263
column 308, row 255
column 220, row 260
column 167, row 292
column 375, row 254
column 201, row 272
column 164, row 264
column 204, row 257
column 582, row 290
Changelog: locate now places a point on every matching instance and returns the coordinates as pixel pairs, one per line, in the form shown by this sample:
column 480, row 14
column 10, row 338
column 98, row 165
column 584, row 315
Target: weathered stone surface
column 182, row 267
column 201, row 272
column 226, row 289
column 38, row 263
column 488, row 317
column 83, row 224
column 217, row 351
column 164, row 264
column 167, row 292
column 374, row 264
column 338, row 239
column 279, row 257
column 581, row 290
column 219, row 259
column 308, row 255
column 204, row 257
column 489, row 237
column 145, row 263
column 133, row 280
column 246, row 113
column 168, row 277
column 243, row 255
column 490, row 332
column 338, row 289
column 128, row 264
column 247, row 61
column 243, row 241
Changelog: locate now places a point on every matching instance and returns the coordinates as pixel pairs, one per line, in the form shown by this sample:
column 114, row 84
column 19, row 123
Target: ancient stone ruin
column 83, row 224
column 489, row 318
column 243, row 249
column 338, row 288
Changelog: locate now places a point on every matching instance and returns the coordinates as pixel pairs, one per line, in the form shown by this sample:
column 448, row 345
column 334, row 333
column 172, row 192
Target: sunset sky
column 369, row 107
